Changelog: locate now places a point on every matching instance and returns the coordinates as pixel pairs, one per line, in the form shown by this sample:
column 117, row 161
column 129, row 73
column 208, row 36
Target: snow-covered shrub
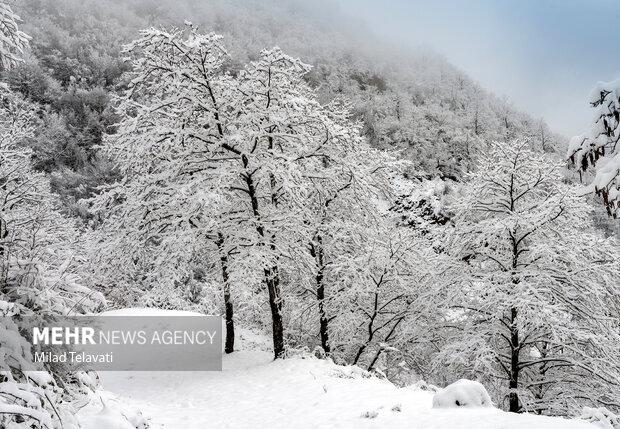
column 28, row 397
column 165, row 298
column 425, row 206
column 114, row 415
column 370, row 414
column 319, row 353
column 424, row 386
column 601, row 417
column 200, row 297
column 462, row 393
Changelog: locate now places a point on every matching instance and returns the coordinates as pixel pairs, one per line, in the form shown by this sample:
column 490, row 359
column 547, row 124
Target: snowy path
column 254, row 392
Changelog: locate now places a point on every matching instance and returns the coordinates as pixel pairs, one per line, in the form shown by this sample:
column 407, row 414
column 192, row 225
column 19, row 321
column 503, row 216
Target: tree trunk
column 3, row 267
column 229, row 345
column 272, row 275
column 275, row 303
column 375, row 359
column 316, row 250
column 515, row 347
column 323, row 322
column 514, row 363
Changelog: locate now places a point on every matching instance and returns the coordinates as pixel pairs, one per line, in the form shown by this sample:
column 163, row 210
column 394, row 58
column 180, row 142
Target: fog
column 544, row 56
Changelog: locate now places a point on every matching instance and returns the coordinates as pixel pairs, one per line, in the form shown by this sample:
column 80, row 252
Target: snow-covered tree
column 344, row 197
column 160, row 219
column 235, row 161
column 599, row 147
column 368, row 280
column 38, row 246
column 13, row 41
column 534, row 310
column 388, row 291
column 38, row 275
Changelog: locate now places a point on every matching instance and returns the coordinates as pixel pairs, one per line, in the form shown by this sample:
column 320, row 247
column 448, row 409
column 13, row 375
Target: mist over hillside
column 411, row 101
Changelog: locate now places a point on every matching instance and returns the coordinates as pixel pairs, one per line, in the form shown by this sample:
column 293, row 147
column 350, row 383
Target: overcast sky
column 544, row 55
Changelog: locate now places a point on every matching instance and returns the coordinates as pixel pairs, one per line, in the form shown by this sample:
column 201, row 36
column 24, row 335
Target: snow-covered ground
column 253, row 391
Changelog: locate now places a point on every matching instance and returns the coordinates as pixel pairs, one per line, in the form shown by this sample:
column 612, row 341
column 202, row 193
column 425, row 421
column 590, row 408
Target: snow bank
column 462, row 393
column 107, row 419
column 110, row 415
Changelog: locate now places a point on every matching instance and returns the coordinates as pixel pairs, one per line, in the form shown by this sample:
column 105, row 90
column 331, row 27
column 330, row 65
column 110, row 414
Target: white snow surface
column 253, row 391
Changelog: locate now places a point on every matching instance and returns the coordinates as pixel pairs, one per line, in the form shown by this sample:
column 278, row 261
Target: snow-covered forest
column 362, row 216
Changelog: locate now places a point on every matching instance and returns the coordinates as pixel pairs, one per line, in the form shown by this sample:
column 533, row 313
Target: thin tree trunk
column 3, row 266
column 514, row 363
column 375, row 359
column 540, row 393
column 316, row 250
column 229, row 345
column 371, row 330
column 385, row 340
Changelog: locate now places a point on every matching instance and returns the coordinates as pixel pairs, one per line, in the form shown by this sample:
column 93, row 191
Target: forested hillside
column 276, row 164
column 413, row 102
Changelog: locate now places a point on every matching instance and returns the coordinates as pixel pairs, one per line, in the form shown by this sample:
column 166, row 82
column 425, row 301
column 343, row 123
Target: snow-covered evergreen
column 598, row 148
